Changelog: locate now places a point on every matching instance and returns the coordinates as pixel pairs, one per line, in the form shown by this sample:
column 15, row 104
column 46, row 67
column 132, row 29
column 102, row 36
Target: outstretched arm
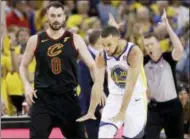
column 96, row 73
column 85, row 56
column 100, row 64
column 135, row 60
column 26, row 60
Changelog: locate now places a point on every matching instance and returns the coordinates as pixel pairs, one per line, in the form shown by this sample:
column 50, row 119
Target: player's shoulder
column 77, row 36
column 33, row 37
column 129, row 44
column 32, row 42
column 133, row 48
column 78, row 41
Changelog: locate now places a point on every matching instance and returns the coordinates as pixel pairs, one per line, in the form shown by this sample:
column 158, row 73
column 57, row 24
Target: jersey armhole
column 129, row 53
column 73, row 42
column 37, row 45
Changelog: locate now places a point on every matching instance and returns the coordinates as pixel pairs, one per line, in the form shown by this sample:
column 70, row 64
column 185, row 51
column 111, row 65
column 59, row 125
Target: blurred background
column 21, row 19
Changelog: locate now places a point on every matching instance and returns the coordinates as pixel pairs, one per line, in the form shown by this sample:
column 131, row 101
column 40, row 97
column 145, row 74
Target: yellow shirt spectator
column 115, row 3
column 170, row 11
column 76, row 20
column 39, row 20
column 134, row 6
column 14, row 84
column 6, row 67
column 6, row 47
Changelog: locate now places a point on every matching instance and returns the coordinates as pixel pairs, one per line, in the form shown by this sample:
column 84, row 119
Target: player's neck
column 120, row 48
column 55, row 34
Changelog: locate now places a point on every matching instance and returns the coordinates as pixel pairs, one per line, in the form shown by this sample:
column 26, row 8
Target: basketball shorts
column 134, row 121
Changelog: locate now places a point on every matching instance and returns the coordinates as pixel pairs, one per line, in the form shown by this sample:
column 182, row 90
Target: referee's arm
column 178, row 47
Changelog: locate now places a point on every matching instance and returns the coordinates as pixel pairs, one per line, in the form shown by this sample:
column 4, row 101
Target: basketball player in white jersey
column 126, row 103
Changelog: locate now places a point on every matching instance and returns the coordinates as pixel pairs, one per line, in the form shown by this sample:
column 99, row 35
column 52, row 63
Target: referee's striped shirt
column 161, row 77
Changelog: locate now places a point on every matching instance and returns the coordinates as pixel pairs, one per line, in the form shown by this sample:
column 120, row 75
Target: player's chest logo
column 55, row 50
column 119, row 75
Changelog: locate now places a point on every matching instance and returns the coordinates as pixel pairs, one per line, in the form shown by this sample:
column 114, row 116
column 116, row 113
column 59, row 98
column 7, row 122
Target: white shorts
column 135, row 116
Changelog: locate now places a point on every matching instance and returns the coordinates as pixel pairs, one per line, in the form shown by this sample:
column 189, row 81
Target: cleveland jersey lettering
column 56, row 62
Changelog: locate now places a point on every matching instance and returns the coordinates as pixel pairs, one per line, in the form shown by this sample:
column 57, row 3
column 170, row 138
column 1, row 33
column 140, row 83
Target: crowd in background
column 25, row 18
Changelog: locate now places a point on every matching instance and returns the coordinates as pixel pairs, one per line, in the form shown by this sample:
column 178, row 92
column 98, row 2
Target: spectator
column 142, row 25
column 82, row 14
column 3, row 21
column 104, row 8
column 18, row 16
column 15, row 86
column 69, row 7
column 2, row 107
column 182, row 14
column 39, row 16
column 185, row 100
column 183, row 66
column 158, row 8
column 5, row 68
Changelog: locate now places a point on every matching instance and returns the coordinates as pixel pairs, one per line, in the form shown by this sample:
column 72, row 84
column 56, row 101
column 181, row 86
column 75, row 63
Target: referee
column 164, row 109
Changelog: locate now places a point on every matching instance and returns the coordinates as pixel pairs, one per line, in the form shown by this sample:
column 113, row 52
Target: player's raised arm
column 97, row 88
column 135, row 60
column 26, row 60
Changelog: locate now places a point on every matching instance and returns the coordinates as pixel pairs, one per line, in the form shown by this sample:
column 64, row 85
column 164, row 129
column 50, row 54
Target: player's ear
column 100, row 61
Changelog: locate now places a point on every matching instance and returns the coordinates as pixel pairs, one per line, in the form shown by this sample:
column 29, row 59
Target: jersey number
column 56, row 65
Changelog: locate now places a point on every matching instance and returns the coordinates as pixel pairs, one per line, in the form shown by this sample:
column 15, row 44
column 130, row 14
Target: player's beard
column 55, row 26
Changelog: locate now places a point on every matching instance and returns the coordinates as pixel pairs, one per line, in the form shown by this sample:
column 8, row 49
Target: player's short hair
column 94, row 36
column 55, row 4
column 110, row 30
column 149, row 35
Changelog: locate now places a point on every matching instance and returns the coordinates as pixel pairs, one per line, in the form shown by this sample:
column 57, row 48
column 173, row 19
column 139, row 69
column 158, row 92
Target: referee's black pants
column 50, row 110
column 165, row 115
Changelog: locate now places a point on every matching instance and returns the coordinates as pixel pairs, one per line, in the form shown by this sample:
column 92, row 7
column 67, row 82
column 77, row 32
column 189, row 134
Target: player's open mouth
column 150, row 53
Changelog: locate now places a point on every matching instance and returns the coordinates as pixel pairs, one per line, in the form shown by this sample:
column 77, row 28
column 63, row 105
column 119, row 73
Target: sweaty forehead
column 149, row 40
column 108, row 39
column 54, row 10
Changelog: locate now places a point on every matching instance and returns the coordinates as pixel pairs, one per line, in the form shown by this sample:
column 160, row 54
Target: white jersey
column 117, row 68
column 136, row 112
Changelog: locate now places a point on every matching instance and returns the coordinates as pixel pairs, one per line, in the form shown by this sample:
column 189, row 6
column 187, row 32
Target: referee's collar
column 155, row 62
